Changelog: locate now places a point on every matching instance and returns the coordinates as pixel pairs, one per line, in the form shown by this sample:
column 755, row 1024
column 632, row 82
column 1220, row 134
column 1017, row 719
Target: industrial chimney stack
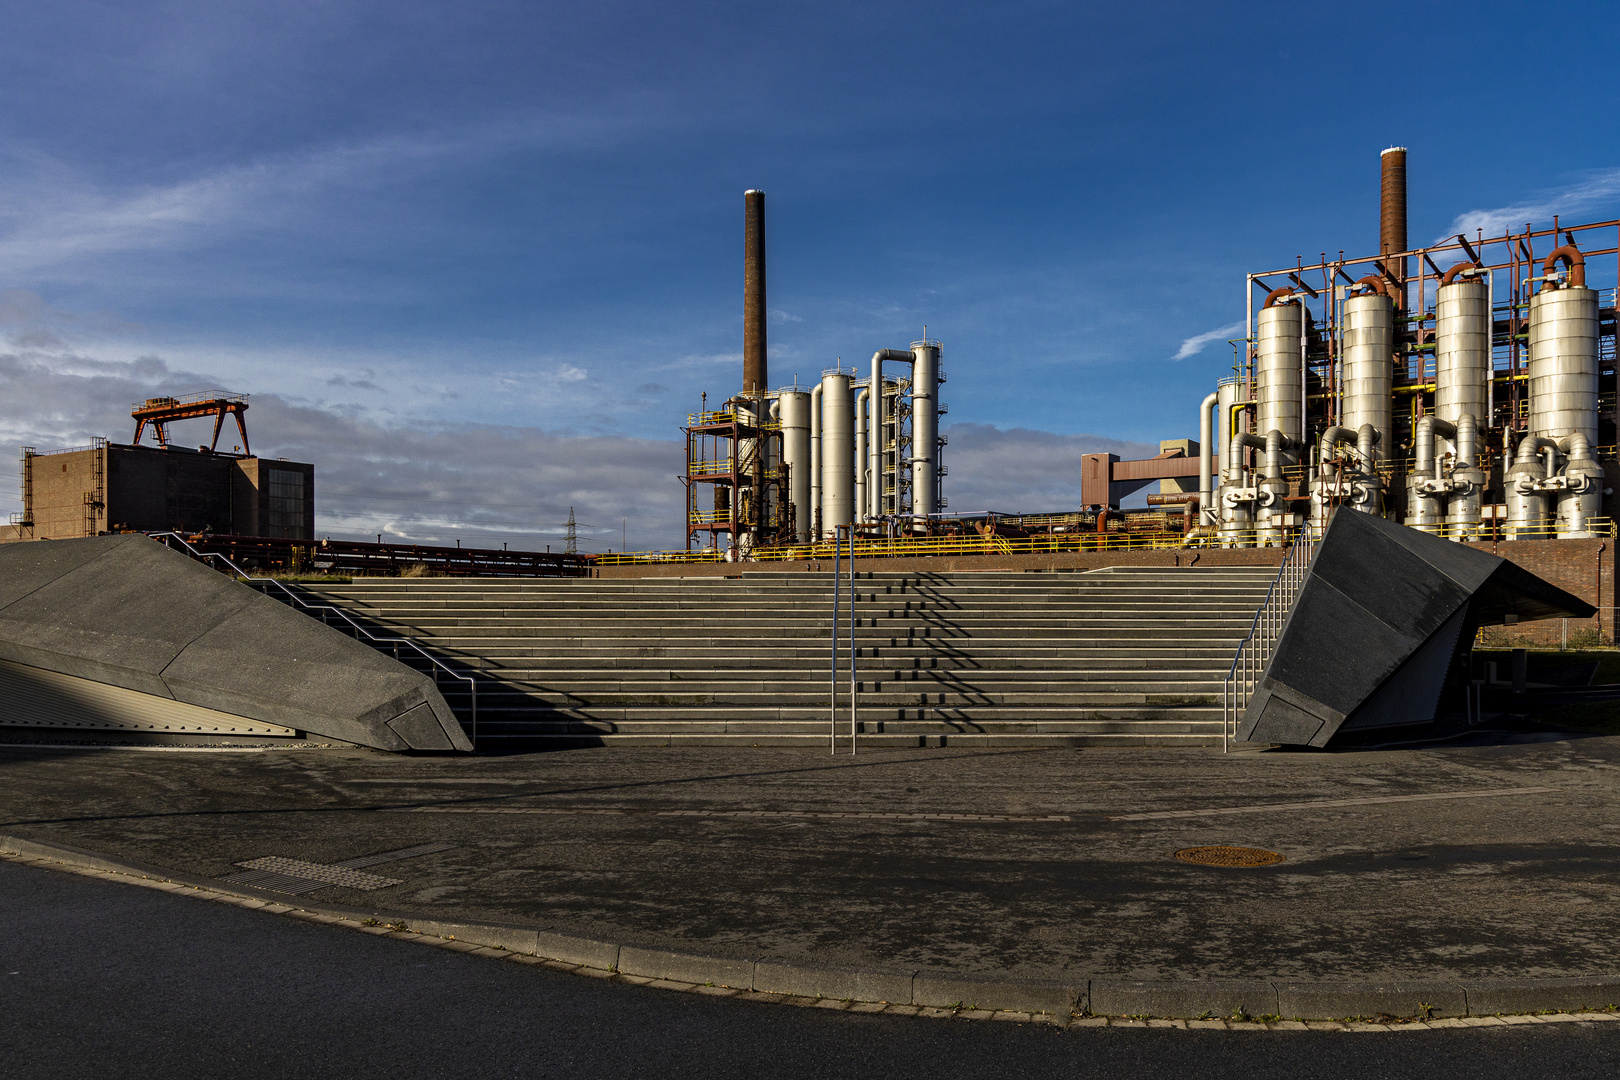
column 755, row 376
column 1392, row 221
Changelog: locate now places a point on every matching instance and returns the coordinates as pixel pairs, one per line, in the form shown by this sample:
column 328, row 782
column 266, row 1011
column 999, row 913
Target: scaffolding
column 736, row 481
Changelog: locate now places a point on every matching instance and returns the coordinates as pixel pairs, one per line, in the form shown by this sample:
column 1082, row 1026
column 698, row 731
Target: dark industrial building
column 115, row 487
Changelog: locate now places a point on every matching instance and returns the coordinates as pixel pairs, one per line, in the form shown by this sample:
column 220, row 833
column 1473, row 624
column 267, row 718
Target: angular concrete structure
column 120, row 633
column 1381, row 627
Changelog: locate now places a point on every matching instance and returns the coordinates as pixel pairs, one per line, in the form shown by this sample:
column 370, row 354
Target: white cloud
column 1194, row 345
column 1593, row 190
column 1018, row 470
column 570, row 373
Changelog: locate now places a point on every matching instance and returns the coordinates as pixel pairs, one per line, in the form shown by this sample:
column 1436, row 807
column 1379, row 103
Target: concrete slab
column 127, row 612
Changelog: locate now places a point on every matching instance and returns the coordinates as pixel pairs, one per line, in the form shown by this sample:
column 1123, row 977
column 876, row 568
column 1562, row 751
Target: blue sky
column 477, row 261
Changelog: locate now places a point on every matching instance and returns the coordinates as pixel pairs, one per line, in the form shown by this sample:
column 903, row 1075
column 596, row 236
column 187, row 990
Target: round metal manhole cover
column 1229, row 856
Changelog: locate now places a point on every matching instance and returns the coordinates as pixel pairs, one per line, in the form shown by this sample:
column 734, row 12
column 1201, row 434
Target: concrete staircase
column 1106, row 657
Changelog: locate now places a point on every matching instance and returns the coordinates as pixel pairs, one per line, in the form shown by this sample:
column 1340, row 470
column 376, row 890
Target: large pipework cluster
column 1356, row 394
column 799, row 463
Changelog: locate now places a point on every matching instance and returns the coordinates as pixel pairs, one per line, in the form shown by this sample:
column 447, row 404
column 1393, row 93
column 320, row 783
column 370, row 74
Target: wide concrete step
column 809, row 706
column 520, row 665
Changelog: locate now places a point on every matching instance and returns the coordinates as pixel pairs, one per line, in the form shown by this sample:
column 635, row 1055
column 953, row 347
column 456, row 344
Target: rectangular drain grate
column 297, row 876
column 325, row 875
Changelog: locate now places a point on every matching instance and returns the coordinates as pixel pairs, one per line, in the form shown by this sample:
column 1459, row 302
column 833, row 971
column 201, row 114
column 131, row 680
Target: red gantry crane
column 161, row 411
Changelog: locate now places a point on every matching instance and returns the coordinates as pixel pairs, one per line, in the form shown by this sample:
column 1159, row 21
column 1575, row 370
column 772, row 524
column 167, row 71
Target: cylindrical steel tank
column 924, row 428
column 1369, row 373
column 1564, row 363
column 1462, row 351
column 1279, row 334
column 837, row 451
column 794, row 409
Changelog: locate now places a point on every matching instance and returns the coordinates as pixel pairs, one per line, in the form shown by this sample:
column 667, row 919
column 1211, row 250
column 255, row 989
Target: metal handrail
column 294, row 599
column 844, row 534
column 1254, row 652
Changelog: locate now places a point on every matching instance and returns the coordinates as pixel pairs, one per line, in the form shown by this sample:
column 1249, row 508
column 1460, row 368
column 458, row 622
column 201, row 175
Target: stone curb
column 1381, row 1005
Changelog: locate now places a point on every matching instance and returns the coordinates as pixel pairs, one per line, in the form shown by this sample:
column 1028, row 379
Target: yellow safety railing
column 1057, row 543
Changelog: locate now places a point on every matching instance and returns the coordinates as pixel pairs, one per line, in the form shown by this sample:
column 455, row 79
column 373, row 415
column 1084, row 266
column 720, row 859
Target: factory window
column 286, row 491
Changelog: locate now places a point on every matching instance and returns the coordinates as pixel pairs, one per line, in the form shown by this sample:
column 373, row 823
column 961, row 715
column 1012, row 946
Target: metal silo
column 924, row 428
column 794, row 410
column 1278, row 356
column 1369, row 374
column 1462, row 350
column 837, row 451
column 1564, row 363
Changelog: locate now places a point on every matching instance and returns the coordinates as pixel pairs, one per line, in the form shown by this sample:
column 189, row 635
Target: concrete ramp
column 119, row 632
column 1381, row 629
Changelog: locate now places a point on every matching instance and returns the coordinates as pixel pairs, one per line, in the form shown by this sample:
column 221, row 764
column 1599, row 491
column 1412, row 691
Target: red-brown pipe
column 1451, row 275
column 1376, row 283
column 1571, row 257
column 1277, row 294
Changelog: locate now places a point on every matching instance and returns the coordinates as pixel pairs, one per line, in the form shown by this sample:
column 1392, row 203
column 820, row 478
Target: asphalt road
column 1448, row 862
column 99, row 978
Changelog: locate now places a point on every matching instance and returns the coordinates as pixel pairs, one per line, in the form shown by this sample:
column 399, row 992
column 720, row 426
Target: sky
column 477, row 261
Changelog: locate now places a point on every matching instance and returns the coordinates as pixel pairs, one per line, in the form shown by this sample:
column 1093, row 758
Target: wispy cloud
column 1194, row 345
column 52, row 212
column 1592, row 190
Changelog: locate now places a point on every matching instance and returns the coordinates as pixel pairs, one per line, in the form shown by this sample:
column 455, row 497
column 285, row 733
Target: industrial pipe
column 1377, row 284
column 1461, row 268
column 1581, row 496
column 1571, row 257
column 1427, row 428
column 1525, row 488
column 862, row 468
column 1275, row 295
column 1234, row 455
column 1206, row 453
column 813, row 512
column 1367, row 446
column 1277, row 444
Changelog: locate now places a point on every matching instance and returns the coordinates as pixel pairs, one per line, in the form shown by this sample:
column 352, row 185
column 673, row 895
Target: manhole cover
column 1229, row 856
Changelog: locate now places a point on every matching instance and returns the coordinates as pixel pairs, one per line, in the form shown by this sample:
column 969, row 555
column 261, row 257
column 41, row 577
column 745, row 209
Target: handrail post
column 832, row 683
column 854, row 685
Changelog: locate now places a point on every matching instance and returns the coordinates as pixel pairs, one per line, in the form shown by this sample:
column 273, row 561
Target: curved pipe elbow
column 1572, row 258
column 1276, row 296
column 1374, row 283
column 1575, row 446
column 1532, row 447
column 1461, row 268
column 1367, row 438
column 1234, row 454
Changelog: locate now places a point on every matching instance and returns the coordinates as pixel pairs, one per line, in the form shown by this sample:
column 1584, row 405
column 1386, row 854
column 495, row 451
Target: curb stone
column 1348, row 1006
